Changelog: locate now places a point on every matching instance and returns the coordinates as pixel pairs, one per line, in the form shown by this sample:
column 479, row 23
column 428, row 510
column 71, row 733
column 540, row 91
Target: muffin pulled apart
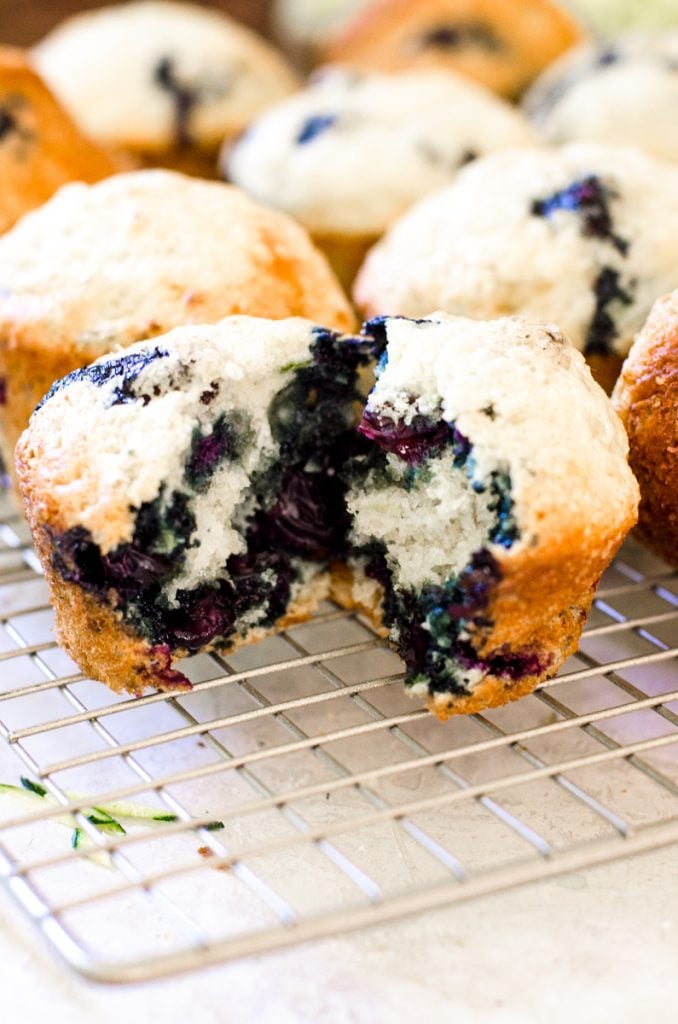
column 209, row 486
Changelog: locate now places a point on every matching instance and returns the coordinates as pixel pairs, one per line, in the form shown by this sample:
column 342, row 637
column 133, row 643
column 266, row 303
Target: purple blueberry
column 590, row 198
column 412, row 442
column 203, row 616
column 313, row 127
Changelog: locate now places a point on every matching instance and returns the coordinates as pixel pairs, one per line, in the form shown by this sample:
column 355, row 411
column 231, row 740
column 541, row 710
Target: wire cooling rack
column 306, row 793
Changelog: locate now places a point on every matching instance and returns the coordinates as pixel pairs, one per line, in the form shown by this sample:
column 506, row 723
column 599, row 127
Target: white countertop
column 598, row 946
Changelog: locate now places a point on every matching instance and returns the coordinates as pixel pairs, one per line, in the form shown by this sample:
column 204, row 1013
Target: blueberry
column 606, row 57
column 128, row 567
column 8, row 123
column 602, row 329
column 163, row 673
column 126, row 367
column 461, row 447
column 312, row 416
column 590, row 198
column 518, row 664
column 204, row 615
column 184, row 98
column 459, row 35
column 262, row 580
column 412, row 442
column 314, row 126
column 505, row 531
column 78, row 559
column 208, row 451
column 308, row 518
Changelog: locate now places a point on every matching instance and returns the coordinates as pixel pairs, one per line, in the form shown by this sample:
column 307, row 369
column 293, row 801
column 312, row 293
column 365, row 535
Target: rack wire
column 305, row 794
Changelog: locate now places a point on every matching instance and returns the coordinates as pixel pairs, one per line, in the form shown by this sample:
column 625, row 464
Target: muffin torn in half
column 207, row 487
column 495, row 493
column 184, row 493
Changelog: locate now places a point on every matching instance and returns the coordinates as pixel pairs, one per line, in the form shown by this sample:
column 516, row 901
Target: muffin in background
column 165, row 80
column 503, row 45
column 353, row 151
column 585, row 236
column 304, row 27
column 103, row 266
column 646, row 398
column 623, row 90
column 40, row 147
column 613, row 15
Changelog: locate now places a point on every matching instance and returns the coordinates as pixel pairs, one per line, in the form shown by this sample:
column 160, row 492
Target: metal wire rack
column 306, row 793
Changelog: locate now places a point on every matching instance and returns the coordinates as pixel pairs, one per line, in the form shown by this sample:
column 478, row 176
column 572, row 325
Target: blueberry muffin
column 503, row 45
column 184, row 494
column 495, row 493
column 612, row 15
column 350, row 153
column 623, row 90
column 129, row 258
column 646, row 398
column 164, row 80
column 305, row 26
column 585, row 236
column 40, row 147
